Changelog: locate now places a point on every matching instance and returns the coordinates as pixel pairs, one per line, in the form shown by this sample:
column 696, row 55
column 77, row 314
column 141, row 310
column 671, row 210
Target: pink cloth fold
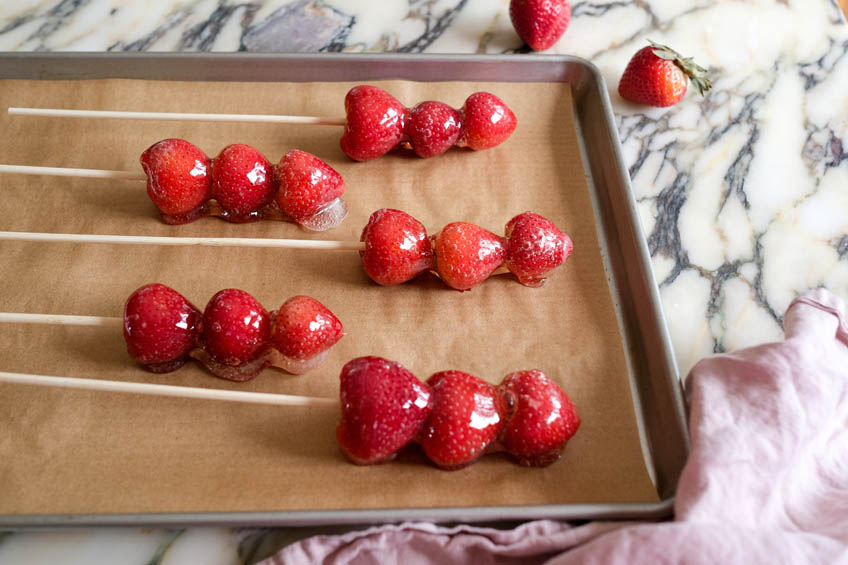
column 766, row 480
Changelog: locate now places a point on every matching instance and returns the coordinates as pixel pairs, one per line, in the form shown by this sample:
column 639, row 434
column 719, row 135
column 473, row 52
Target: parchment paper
column 91, row 452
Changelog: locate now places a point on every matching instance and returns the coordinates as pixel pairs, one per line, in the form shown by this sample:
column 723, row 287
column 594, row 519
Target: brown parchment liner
column 91, row 452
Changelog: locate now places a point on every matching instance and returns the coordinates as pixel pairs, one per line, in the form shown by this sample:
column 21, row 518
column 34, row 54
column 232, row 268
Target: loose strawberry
column 468, row 414
column 242, row 181
column 374, row 125
column 161, row 327
column 384, row 407
column 543, row 418
column 540, row 23
column 178, row 178
column 433, row 128
column 305, row 328
column 487, row 121
column 236, row 328
column 657, row 76
column 397, row 248
column 467, row 254
column 307, row 184
column 534, row 247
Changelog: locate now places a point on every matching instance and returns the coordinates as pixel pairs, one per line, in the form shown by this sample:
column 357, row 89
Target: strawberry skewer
column 455, row 416
column 235, row 337
column 395, row 248
column 463, row 255
column 375, row 122
column 239, row 185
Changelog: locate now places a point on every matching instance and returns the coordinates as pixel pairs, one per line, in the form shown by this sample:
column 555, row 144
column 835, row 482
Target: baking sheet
column 80, row 453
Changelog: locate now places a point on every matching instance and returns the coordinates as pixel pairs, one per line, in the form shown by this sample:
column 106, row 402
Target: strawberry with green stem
column 658, row 75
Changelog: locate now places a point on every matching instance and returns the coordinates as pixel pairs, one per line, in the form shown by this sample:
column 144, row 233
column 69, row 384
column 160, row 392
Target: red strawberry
column 396, row 247
column 468, row 414
column 178, row 178
column 236, row 328
column 543, row 418
column 487, row 121
column 305, row 328
column 657, row 76
column 534, row 246
column 467, row 254
column 384, row 408
column 540, row 23
column 242, row 181
column 307, row 184
column 375, row 123
column 160, row 327
column 433, row 128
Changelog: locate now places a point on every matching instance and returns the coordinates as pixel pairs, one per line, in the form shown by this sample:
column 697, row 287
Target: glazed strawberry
column 160, row 327
column 307, row 184
column 374, row 125
column 384, row 408
column 540, row 23
column 543, row 418
column 305, row 328
column 178, row 178
column 487, row 121
column 467, row 254
column 467, row 416
column 534, row 247
column 433, row 128
column 657, row 76
column 242, row 181
column 236, row 328
column 397, row 248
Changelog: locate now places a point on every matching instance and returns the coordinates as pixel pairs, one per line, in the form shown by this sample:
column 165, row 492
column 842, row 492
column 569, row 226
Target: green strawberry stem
column 696, row 73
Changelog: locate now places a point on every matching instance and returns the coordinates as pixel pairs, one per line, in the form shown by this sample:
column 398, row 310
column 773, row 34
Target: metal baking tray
column 653, row 376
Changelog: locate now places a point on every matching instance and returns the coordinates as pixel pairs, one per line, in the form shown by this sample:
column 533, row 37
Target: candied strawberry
column 236, row 328
column 242, row 181
column 178, row 176
column 374, row 125
column 384, row 407
column 534, row 247
column 487, row 121
column 396, row 247
column 467, row 254
column 307, row 184
column 304, row 328
column 540, row 23
column 161, row 327
column 433, row 128
column 543, row 418
column 467, row 416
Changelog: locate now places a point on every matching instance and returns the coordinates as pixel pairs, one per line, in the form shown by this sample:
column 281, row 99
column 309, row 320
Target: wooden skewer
column 204, row 241
column 177, row 116
column 69, row 172
column 60, row 319
column 167, row 390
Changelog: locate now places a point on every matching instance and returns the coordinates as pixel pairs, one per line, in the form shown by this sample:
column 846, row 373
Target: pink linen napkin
column 766, row 481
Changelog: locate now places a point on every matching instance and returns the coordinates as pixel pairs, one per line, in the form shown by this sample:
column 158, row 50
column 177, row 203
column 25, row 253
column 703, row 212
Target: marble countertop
column 742, row 193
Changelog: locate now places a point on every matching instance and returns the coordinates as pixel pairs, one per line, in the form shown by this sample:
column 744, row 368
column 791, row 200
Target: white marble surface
column 743, row 194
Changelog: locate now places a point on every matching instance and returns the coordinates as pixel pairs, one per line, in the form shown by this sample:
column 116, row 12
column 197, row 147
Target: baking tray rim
column 382, row 66
column 297, row 518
